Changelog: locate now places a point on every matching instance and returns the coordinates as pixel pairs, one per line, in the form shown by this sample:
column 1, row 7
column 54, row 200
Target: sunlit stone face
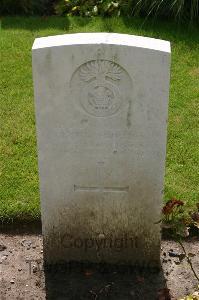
column 101, row 110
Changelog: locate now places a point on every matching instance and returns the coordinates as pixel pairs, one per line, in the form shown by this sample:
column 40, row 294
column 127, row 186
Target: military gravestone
column 101, row 113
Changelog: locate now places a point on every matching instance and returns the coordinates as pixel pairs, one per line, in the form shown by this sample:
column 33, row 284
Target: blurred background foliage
column 26, row 7
column 185, row 11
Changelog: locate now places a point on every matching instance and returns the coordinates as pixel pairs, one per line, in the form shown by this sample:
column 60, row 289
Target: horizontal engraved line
column 100, row 189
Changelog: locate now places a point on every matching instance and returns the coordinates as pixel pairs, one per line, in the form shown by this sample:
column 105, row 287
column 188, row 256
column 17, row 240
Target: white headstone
column 101, row 114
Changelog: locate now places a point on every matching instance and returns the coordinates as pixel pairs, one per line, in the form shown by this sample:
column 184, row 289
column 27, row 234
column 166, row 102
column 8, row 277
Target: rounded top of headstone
column 102, row 38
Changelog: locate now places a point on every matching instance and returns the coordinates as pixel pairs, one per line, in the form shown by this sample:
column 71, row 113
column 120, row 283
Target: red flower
column 169, row 206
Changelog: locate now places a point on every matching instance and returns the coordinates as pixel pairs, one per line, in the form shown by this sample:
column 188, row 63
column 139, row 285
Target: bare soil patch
column 22, row 275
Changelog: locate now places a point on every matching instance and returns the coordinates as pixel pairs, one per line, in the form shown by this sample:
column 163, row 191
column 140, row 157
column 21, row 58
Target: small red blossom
column 170, row 205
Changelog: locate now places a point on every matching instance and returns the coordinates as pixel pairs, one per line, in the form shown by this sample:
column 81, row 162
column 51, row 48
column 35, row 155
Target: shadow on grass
column 91, row 281
column 34, row 23
column 162, row 29
column 41, row 23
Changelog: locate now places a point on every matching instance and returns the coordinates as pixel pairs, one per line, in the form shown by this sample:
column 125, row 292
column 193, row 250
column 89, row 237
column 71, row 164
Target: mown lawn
column 19, row 192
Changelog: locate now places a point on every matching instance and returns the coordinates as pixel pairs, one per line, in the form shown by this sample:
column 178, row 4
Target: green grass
column 19, row 192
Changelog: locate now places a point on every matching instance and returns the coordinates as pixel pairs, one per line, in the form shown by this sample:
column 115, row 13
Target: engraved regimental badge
column 99, row 87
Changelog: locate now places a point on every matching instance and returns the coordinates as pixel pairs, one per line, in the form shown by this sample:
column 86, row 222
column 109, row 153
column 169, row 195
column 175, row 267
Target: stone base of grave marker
column 101, row 113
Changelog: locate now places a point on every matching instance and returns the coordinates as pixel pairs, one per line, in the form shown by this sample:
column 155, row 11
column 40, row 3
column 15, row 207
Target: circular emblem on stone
column 99, row 86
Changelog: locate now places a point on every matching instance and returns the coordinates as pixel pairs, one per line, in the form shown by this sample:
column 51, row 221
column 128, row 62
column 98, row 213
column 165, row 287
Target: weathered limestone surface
column 101, row 113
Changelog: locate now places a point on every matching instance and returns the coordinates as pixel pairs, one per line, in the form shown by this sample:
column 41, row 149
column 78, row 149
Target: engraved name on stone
column 114, row 141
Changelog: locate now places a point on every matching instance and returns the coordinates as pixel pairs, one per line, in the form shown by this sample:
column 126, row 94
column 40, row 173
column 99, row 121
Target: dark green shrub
column 26, row 7
column 88, row 8
column 184, row 10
